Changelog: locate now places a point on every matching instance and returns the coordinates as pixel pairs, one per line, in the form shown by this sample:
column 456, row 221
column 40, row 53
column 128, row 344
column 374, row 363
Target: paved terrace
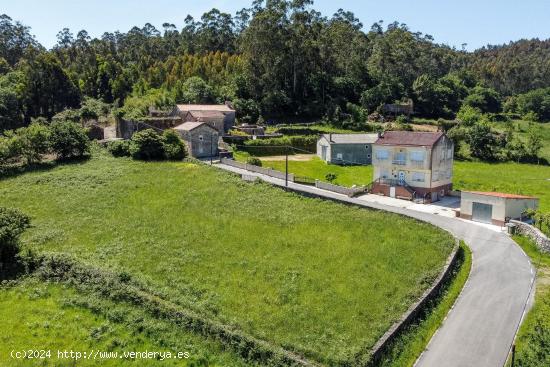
column 481, row 326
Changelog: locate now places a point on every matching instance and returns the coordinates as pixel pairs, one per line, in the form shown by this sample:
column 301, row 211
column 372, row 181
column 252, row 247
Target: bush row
column 29, row 144
column 149, row 145
column 279, row 146
column 122, row 287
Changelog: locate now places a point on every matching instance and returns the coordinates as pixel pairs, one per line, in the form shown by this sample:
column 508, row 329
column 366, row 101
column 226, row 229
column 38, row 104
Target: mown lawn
column 527, row 179
column 533, row 337
column 324, row 279
column 50, row 317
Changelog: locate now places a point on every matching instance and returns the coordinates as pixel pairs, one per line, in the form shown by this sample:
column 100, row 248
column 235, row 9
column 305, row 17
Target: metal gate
column 482, row 212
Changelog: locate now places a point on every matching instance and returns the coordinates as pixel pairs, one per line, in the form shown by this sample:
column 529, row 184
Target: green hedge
column 280, row 146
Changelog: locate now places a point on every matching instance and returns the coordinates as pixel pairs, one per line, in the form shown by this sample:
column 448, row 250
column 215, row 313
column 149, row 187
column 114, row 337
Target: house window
column 366, row 147
column 339, row 156
column 417, row 156
column 435, row 176
column 400, row 158
column 418, row 176
column 201, row 138
column 382, row 154
column 449, row 153
column 384, row 174
column 368, row 155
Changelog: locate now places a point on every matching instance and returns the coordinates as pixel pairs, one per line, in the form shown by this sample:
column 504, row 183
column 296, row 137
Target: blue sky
column 475, row 22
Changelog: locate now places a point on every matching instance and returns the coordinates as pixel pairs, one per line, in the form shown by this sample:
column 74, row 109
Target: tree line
column 279, row 58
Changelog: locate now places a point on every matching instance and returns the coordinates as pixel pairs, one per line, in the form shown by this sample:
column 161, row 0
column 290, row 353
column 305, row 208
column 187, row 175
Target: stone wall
column 543, row 243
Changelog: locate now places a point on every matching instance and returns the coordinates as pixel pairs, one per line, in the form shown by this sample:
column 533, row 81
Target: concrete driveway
column 482, row 324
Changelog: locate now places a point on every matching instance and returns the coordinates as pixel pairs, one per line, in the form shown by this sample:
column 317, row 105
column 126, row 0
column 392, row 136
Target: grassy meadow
column 44, row 316
column 533, row 337
column 319, row 278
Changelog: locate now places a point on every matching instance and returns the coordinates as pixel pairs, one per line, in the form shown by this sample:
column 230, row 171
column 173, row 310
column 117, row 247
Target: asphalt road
column 482, row 324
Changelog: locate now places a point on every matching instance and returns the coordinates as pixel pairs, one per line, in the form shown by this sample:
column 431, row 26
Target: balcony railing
column 400, row 162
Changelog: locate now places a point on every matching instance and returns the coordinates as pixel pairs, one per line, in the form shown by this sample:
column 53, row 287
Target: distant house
column 221, row 117
column 346, row 148
column 200, row 137
column 413, row 165
column 494, row 207
column 396, row 109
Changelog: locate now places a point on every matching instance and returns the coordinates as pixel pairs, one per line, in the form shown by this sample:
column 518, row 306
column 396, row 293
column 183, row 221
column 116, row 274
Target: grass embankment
column 320, row 278
column 533, row 339
column 408, row 347
column 42, row 317
column 526, row 179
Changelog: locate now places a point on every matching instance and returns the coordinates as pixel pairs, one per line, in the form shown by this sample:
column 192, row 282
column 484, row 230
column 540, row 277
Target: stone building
column 200, row 138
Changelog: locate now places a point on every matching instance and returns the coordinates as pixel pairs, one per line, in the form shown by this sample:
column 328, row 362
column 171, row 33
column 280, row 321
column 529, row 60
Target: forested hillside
column 280, row 59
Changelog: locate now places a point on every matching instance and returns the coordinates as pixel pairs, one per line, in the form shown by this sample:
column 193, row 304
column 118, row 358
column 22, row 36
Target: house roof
column 409, row 138
column 351, row 138
column 190, row 125
column 204, row 107
column 207, row 115
column 501, row 195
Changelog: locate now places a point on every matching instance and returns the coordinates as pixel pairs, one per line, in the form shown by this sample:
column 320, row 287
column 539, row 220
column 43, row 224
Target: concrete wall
column 323, row 142
column 442, row 162
column 360, row 154
column 499, row 206
column 347, row 154
column 516, row 207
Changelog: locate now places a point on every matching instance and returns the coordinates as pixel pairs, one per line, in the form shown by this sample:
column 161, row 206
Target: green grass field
column 316, row 277
column 527, row 179
column 533, row 337
column 44, row 317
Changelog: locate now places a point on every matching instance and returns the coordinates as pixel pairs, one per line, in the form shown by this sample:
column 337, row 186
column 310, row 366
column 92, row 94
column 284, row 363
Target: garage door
column 482, row 212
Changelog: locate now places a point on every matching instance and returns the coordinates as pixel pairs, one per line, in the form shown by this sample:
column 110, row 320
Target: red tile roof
column 409, row 138
column 501, row 195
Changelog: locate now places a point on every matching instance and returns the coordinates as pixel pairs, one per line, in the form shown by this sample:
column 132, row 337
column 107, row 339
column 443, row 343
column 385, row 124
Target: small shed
column 200, row 137
column 494, row 207
column 346, row 149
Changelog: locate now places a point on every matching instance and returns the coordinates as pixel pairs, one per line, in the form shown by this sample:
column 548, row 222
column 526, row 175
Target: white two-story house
column 412, row 165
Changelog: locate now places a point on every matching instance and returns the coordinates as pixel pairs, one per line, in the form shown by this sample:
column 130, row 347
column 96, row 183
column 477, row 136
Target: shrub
column 12, row 224
column 402, row 119
column 468, row 115
column 174, row 148
column 147, row 145
column 255, row 161
column 331, row 177
column 119, row 148
column 278, row 146
column 32, row 142
column 69, row 140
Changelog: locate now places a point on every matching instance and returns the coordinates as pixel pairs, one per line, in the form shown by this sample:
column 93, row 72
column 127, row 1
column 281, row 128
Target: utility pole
column 286, row 167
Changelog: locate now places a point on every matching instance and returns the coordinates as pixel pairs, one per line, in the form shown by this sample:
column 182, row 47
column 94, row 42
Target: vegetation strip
column 120, row 287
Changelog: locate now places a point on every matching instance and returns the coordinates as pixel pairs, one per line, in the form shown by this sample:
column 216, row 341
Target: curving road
column 482, row 324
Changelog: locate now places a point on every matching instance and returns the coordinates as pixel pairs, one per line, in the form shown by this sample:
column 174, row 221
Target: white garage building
column 494, row 207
